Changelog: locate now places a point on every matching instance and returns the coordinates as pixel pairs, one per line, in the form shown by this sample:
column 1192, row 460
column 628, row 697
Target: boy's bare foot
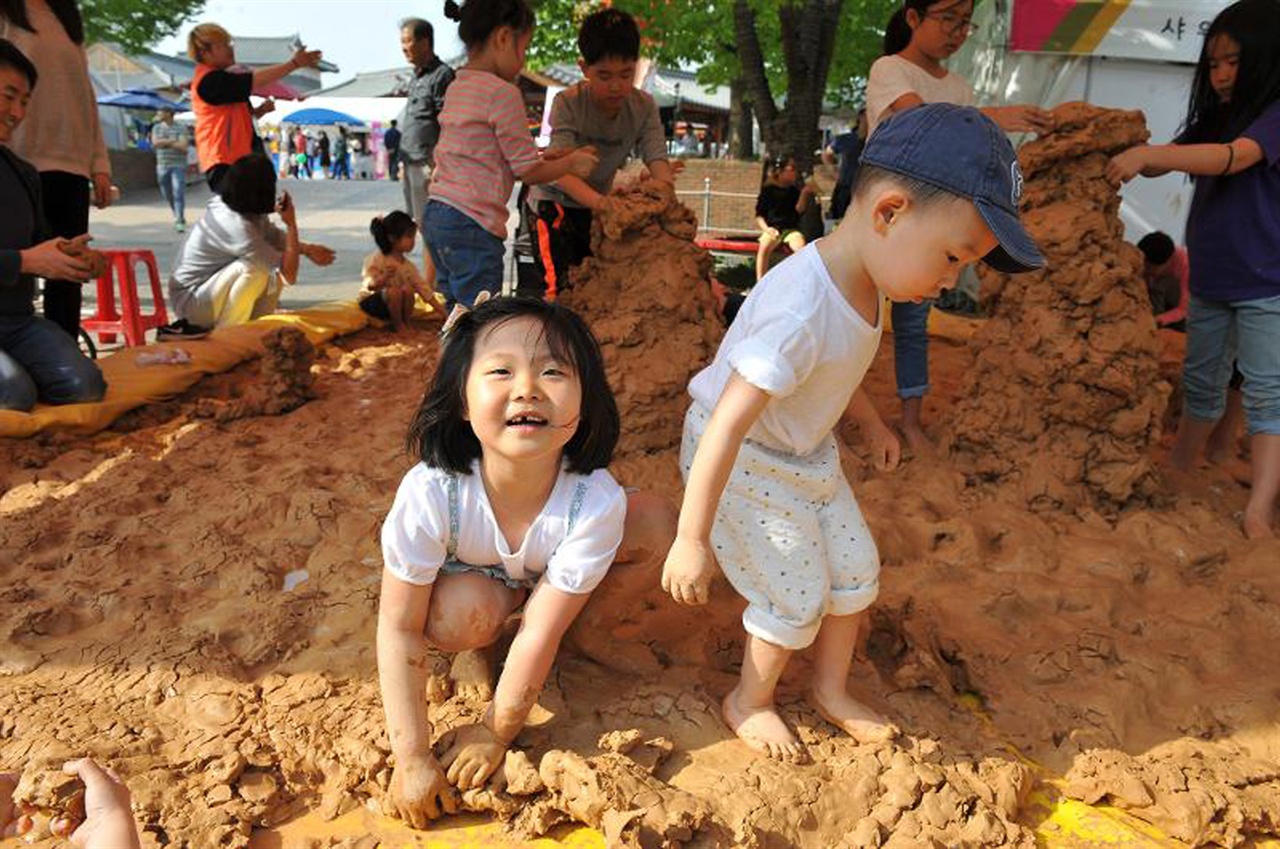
column 472, row 674
column 762, row 730
column 1257, row 526
column 853, row 717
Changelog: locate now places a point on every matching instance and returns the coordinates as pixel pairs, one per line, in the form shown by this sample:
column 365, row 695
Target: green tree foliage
column 135, row 24
column 699, row 35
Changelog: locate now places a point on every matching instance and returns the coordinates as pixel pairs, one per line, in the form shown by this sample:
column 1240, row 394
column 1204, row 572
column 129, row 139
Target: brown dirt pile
column 194, row 602
column 645, row 295
column 1066, row 398
column 283, row 384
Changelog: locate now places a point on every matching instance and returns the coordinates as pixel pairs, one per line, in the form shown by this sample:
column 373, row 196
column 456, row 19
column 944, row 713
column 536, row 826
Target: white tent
column 1135, row 55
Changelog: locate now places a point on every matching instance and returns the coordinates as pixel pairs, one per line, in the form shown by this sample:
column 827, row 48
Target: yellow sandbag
column 130, row 385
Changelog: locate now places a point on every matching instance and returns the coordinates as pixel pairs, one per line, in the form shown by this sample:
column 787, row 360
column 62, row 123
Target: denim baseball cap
column 959, row 149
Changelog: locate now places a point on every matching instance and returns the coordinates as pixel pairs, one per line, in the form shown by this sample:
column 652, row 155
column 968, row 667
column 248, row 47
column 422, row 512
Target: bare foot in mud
column 1256, row 526
column 853, row 717
column 918, row 441
column 472, row 674
column 763, row 730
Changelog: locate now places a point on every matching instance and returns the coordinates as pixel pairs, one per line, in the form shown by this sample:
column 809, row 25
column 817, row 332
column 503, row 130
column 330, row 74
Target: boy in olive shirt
column 605, row 111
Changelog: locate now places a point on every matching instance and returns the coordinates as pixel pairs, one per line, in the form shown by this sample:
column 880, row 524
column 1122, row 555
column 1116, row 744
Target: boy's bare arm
column 660, row 169
column 690, row 564
column 581, row 191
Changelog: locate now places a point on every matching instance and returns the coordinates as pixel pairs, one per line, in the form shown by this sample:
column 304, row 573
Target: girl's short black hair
column 249, row 186
column 441, row 437
column 391, row 228
column 477, row 19
column 1255, row 26
column 12, row 57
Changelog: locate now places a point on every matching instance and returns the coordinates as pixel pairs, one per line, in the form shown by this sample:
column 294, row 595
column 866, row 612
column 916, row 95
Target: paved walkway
column 332, row 212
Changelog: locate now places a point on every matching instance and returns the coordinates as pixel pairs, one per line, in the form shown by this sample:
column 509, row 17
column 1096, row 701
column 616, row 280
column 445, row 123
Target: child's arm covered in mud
column 690, row 564
column 419, row 790
column 479, row 750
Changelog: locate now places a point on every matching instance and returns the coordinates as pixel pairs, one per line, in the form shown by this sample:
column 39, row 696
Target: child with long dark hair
column 484, row 146
column 510, row 506
column 389, row 280
column 1230, row 145
column 918, row 40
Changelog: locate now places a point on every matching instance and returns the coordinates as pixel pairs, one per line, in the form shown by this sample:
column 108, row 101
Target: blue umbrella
column 139, row 98
column 321, row 117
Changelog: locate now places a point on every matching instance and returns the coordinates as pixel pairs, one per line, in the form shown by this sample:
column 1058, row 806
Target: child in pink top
column 484, row 146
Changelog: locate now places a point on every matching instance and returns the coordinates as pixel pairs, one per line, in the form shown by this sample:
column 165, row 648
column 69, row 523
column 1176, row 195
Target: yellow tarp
column 130, row 385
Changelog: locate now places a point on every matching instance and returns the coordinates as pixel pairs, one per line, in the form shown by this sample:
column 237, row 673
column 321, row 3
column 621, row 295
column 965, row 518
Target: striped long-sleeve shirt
column 484, row 146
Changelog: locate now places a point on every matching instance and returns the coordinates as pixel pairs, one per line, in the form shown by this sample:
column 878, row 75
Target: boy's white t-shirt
column 415, row 535
column 892, row 76
column 797, row 338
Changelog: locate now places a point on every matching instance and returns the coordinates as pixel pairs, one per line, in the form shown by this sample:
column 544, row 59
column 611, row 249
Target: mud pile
column 1065, row 401
column 283, row 384
column 645, row 294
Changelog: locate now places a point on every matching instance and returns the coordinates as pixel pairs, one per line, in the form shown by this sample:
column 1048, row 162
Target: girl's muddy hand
column 474, row 756
column 420, row 792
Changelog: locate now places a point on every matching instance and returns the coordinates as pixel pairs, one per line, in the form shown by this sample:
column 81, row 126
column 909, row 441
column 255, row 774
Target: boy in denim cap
column 765, row 500
column 607, row 112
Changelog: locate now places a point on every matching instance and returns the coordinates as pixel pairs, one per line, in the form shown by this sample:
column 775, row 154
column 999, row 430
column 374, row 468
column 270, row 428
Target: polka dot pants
column 790, row 538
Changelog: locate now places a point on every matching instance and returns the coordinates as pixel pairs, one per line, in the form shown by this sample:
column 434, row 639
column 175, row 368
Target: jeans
column 911, row 348
column 1249, row 332
column 468, row 257
column 173, row 185
column 39, row 361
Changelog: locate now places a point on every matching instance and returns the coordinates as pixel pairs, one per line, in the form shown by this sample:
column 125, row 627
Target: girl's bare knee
column 650, row 526
column 467, row 612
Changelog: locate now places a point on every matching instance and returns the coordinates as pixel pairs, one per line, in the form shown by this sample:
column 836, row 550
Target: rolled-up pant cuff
column 760, row 623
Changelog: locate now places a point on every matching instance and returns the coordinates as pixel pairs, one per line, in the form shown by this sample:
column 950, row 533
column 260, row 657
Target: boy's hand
column 419, row 791
column 475, row 754
column 1126, row 165
column 688, row 571
column 583, row 161
column 886, row 448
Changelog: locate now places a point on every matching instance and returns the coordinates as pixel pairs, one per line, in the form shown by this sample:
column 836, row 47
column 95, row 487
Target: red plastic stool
column 108, row 321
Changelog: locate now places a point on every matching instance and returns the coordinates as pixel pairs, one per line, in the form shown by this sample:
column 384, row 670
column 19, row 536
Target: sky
column 355, row 35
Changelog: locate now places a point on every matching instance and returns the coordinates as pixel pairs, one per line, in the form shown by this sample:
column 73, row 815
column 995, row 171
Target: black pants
column 66, row 208
column 559, row 238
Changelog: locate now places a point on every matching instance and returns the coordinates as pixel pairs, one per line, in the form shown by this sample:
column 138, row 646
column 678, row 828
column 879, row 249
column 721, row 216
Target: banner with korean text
column 1161, row 30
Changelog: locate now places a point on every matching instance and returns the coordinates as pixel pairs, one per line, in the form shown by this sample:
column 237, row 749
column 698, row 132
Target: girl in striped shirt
column 484, row 146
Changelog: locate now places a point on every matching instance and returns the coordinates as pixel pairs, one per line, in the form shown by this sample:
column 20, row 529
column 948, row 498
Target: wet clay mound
column 1066, row 400
column 1202, row 793
column 645, row 295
